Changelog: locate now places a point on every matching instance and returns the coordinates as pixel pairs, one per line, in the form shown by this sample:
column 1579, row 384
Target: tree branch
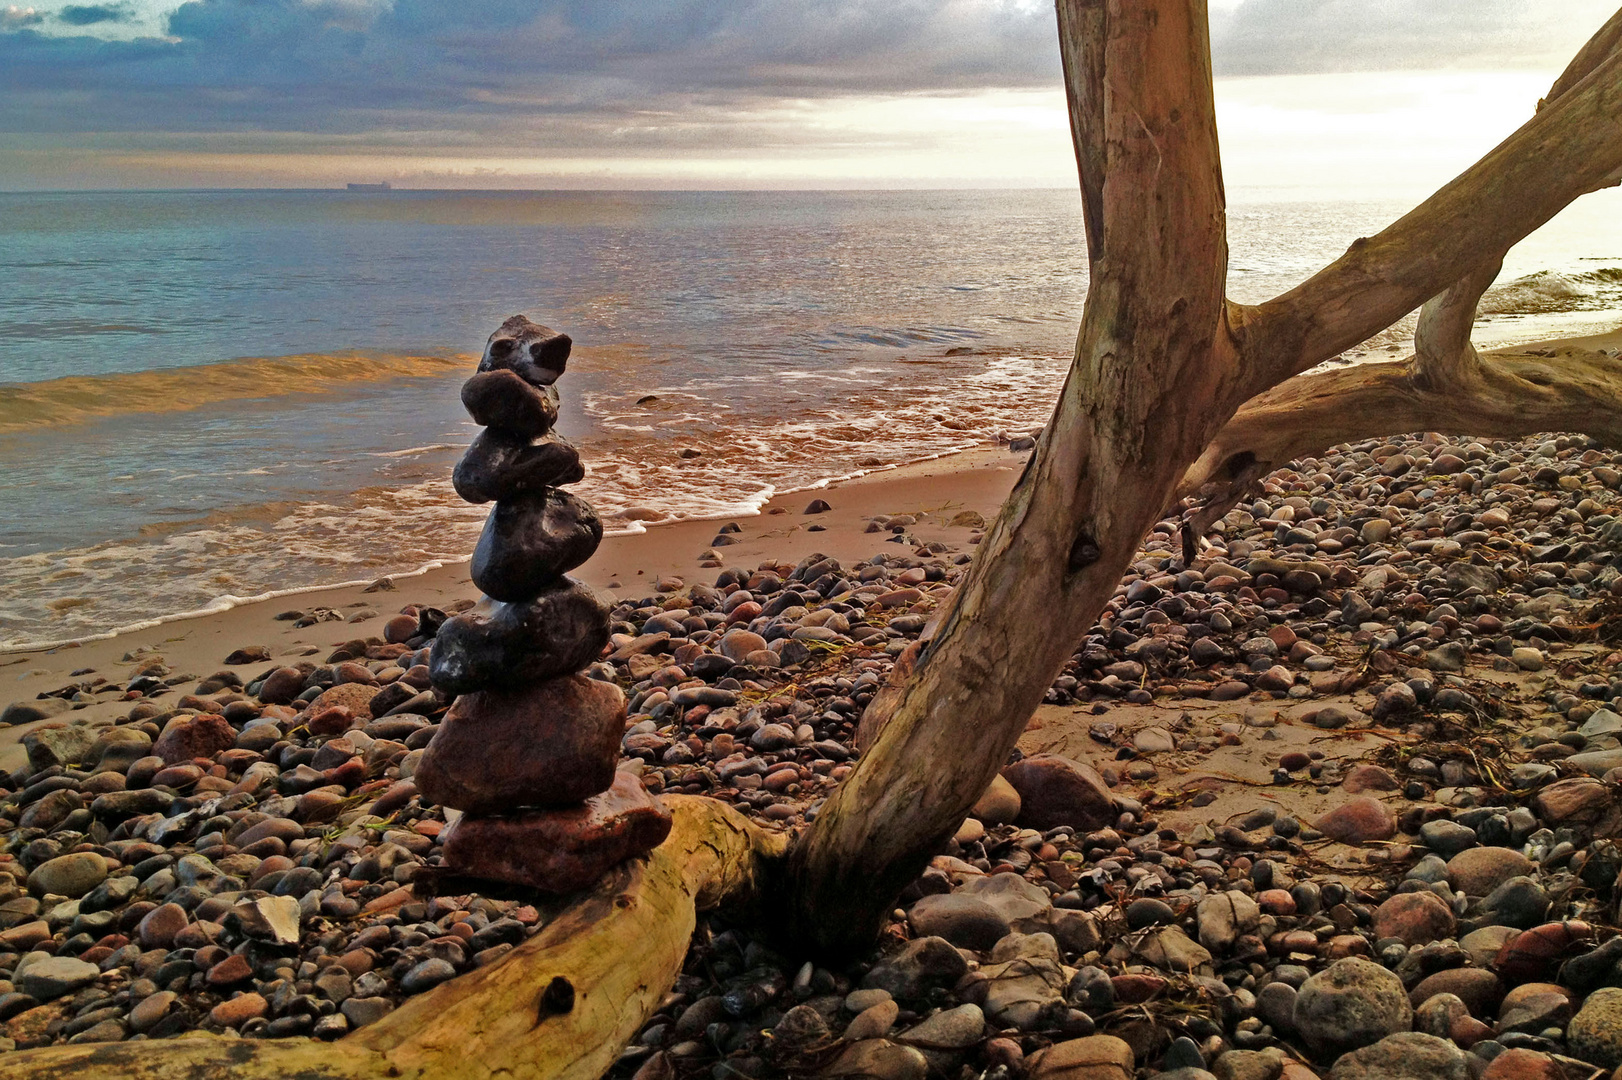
column 1504, row 394
column 1569, row 148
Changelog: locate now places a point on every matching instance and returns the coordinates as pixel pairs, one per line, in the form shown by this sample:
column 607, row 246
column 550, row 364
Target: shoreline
column 626, row 565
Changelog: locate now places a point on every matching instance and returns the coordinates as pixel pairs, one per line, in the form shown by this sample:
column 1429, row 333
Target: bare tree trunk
column 1162, row 362
column 1152, row 371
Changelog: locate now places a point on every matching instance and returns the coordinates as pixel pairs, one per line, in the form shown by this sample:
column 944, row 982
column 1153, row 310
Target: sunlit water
column 208, row 396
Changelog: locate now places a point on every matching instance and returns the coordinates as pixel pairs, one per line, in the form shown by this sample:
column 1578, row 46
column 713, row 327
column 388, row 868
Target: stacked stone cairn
column 529, row 748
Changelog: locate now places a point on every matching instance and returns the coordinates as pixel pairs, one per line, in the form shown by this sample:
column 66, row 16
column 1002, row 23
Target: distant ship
column 384, row 186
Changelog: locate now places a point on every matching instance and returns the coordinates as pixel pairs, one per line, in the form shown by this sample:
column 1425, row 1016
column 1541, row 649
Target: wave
column 1550, row 291
column 77, row 398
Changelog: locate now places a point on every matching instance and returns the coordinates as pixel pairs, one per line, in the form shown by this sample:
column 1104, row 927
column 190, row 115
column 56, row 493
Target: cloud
column 13, row 18
column 1272, row 37
column 92, row 14
column 623, row 78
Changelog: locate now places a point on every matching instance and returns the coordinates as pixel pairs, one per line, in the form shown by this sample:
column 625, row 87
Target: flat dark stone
column 498, row 467
column 535, row 353
column 530, row 542
column 505, row 402
column 501, row 646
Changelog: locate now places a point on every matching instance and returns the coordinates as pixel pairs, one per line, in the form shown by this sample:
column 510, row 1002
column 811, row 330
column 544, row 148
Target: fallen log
column 616, row 949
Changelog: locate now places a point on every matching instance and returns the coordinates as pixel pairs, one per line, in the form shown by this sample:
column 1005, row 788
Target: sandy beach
column 625, row 566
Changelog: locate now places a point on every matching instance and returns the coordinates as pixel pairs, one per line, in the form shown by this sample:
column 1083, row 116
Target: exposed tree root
column 620, row 947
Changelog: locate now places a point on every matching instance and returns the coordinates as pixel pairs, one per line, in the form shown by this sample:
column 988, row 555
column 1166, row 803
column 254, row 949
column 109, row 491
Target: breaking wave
column 78, row 398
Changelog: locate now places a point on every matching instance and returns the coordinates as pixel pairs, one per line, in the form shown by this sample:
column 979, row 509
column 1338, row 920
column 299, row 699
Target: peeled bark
column 619, row 947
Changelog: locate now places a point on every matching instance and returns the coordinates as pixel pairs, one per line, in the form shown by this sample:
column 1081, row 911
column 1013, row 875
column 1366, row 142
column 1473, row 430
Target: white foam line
column 219, row 604
column 751, row 508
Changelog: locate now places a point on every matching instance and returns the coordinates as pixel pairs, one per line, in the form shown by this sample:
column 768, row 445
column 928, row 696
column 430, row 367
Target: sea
column 209, row 398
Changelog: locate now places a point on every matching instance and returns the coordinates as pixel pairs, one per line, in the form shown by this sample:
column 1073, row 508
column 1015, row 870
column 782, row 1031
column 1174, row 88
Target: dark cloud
column 567, row 74
column 356, row 65
column 94, row 14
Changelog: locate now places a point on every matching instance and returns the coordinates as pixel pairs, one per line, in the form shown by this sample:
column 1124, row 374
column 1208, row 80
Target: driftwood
column 1446, row 386
column 620, row 947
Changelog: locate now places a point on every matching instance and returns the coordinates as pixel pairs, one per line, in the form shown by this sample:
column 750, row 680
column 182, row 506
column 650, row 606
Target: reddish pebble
column 1358, row 822
column 1414, row 918
column 1276, row 902
column 232, row 969
column 239, row 1010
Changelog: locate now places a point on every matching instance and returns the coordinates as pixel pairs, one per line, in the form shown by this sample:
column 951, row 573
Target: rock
column 562, row 849
column 58, row 744
column 1248, row 1065
column 1409, row 1055
column 1222, row 918
column 1023, row 904
column 499, row 466
column 159, row 926
column 1172, row 950
column 921, row 964
column 31, row 712
column 1577, row 800
column 535, row 353
column 68, row 875
column 1519, row 902
column 999, row 805
column 1358, row 821
column 504, row 401
column 554, row 742
column 878, row 1059
column 1414, row 918
column 239, row 1010
column 270, row 918
column 1521, row 1064
column 50, row 977
column 949, row 1029
column 152, row 1008
column 282, row 686
column 498, row 646
column 530, row 541
column 1594, row 1034
column 1446, row 838
column 116, row 749
column 360, row 1011
column 1480, row 870
column 1478, row 988
column 963, row 920
column 188, row 737
column 1349, row 1004
column 1449, row 657
column 1055, row 790
column 739, row 645
column 1366, row 777
column 1096, row 1057
column 427, row 975
column 873, row 1022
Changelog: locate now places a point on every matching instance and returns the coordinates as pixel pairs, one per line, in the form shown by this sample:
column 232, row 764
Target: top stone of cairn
column 535, row 353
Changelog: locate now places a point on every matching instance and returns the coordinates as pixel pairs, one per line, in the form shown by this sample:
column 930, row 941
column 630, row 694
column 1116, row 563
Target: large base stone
column 529, row 542
column 555, row 742
column 498, row 467
column 563, row 849
column 504, row 646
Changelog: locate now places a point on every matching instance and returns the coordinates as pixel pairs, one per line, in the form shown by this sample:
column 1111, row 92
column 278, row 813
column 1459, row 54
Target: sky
column 1316, row 98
